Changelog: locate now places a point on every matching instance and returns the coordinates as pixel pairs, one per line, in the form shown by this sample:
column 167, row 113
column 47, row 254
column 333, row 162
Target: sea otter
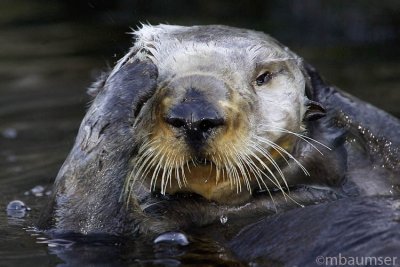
column 195, row 123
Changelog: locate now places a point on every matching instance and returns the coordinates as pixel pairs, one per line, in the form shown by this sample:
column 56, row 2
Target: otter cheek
column 279, row 110
column 288, row 116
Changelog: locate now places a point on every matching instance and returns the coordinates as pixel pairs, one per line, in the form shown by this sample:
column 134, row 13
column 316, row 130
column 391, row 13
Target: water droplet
column 38, row 191
column 172, row 237
column 10, row 133
column 17, row 209
column 53, row 243
column 16, row 205
column 396, row 189
column 223, row 219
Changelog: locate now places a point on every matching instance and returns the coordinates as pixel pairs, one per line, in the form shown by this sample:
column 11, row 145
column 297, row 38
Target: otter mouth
column 202, row 161
column 221, row 175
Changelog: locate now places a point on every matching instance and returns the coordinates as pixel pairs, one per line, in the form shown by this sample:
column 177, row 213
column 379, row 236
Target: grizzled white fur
column 235, row 56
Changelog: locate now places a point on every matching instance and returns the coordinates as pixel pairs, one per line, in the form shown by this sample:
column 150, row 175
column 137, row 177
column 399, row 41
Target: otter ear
column 314, row 111
column 314, row 86
column 96, row 87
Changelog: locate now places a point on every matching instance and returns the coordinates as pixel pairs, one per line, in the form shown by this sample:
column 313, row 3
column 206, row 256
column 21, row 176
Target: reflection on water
column 45, row 66
column 44, row 69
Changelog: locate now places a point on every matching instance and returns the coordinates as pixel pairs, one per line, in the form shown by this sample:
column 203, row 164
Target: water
column 46, row 64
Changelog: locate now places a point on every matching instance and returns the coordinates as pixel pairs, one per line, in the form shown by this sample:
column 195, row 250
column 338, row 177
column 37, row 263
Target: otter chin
column 228, row 118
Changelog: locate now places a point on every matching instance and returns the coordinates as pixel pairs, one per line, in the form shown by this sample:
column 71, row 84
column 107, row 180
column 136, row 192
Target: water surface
column 46, row 64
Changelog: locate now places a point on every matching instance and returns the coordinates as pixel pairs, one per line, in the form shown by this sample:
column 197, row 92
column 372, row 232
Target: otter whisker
column 146, row 145
column 164, row 181
column 295, row 201
column 218, row 174
column 150, row 164
column 172, row 169
column 168, row 179
column 177, row 177
column 176, row 168
column 244, row 168
column 153, row 179
column 194, row 162
column 188, row 166
column 217, row 171
column 301, row 136
column 156, row 171
column 167, row 169
column 244, row 172
column 236, row 174
column 256, row 171
column 211, row 169
column 236, row 162
column 247, row 172
column 267, row 155
column 232, row 174
column 275, row 146
column 258, row 178
column 146, row 166
column 182, row 170
column 168, row 166
column 133, row 175
column 273, row 181
column 285, row 195
column 226, row 172
column 223, row 176
column 267, row 168
column 220, row 170
column 144, row 160
column 250, row 164
column 278, row 151
column 259, row 171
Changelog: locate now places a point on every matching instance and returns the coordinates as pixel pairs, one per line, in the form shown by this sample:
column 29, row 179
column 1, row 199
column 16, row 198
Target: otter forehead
column 223, row 36
column 222, row 49
column 233, row 56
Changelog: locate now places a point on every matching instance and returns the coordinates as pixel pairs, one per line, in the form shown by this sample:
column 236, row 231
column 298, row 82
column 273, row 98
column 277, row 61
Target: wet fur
column 363, row 160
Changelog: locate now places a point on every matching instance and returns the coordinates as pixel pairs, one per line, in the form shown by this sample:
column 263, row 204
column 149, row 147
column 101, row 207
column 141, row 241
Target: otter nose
column 197, row 119
column 202, row 125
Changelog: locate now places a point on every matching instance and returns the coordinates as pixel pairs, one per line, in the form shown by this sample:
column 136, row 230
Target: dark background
column 50, row 51
column 355, row 44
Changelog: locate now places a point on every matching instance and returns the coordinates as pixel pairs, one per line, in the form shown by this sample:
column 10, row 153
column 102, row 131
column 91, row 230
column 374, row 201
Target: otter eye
column 264, row 78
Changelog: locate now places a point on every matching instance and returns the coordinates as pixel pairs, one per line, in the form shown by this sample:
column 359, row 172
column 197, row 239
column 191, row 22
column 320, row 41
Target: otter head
column 225, row 116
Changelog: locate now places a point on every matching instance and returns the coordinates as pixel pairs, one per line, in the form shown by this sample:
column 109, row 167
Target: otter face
column 225, row 113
